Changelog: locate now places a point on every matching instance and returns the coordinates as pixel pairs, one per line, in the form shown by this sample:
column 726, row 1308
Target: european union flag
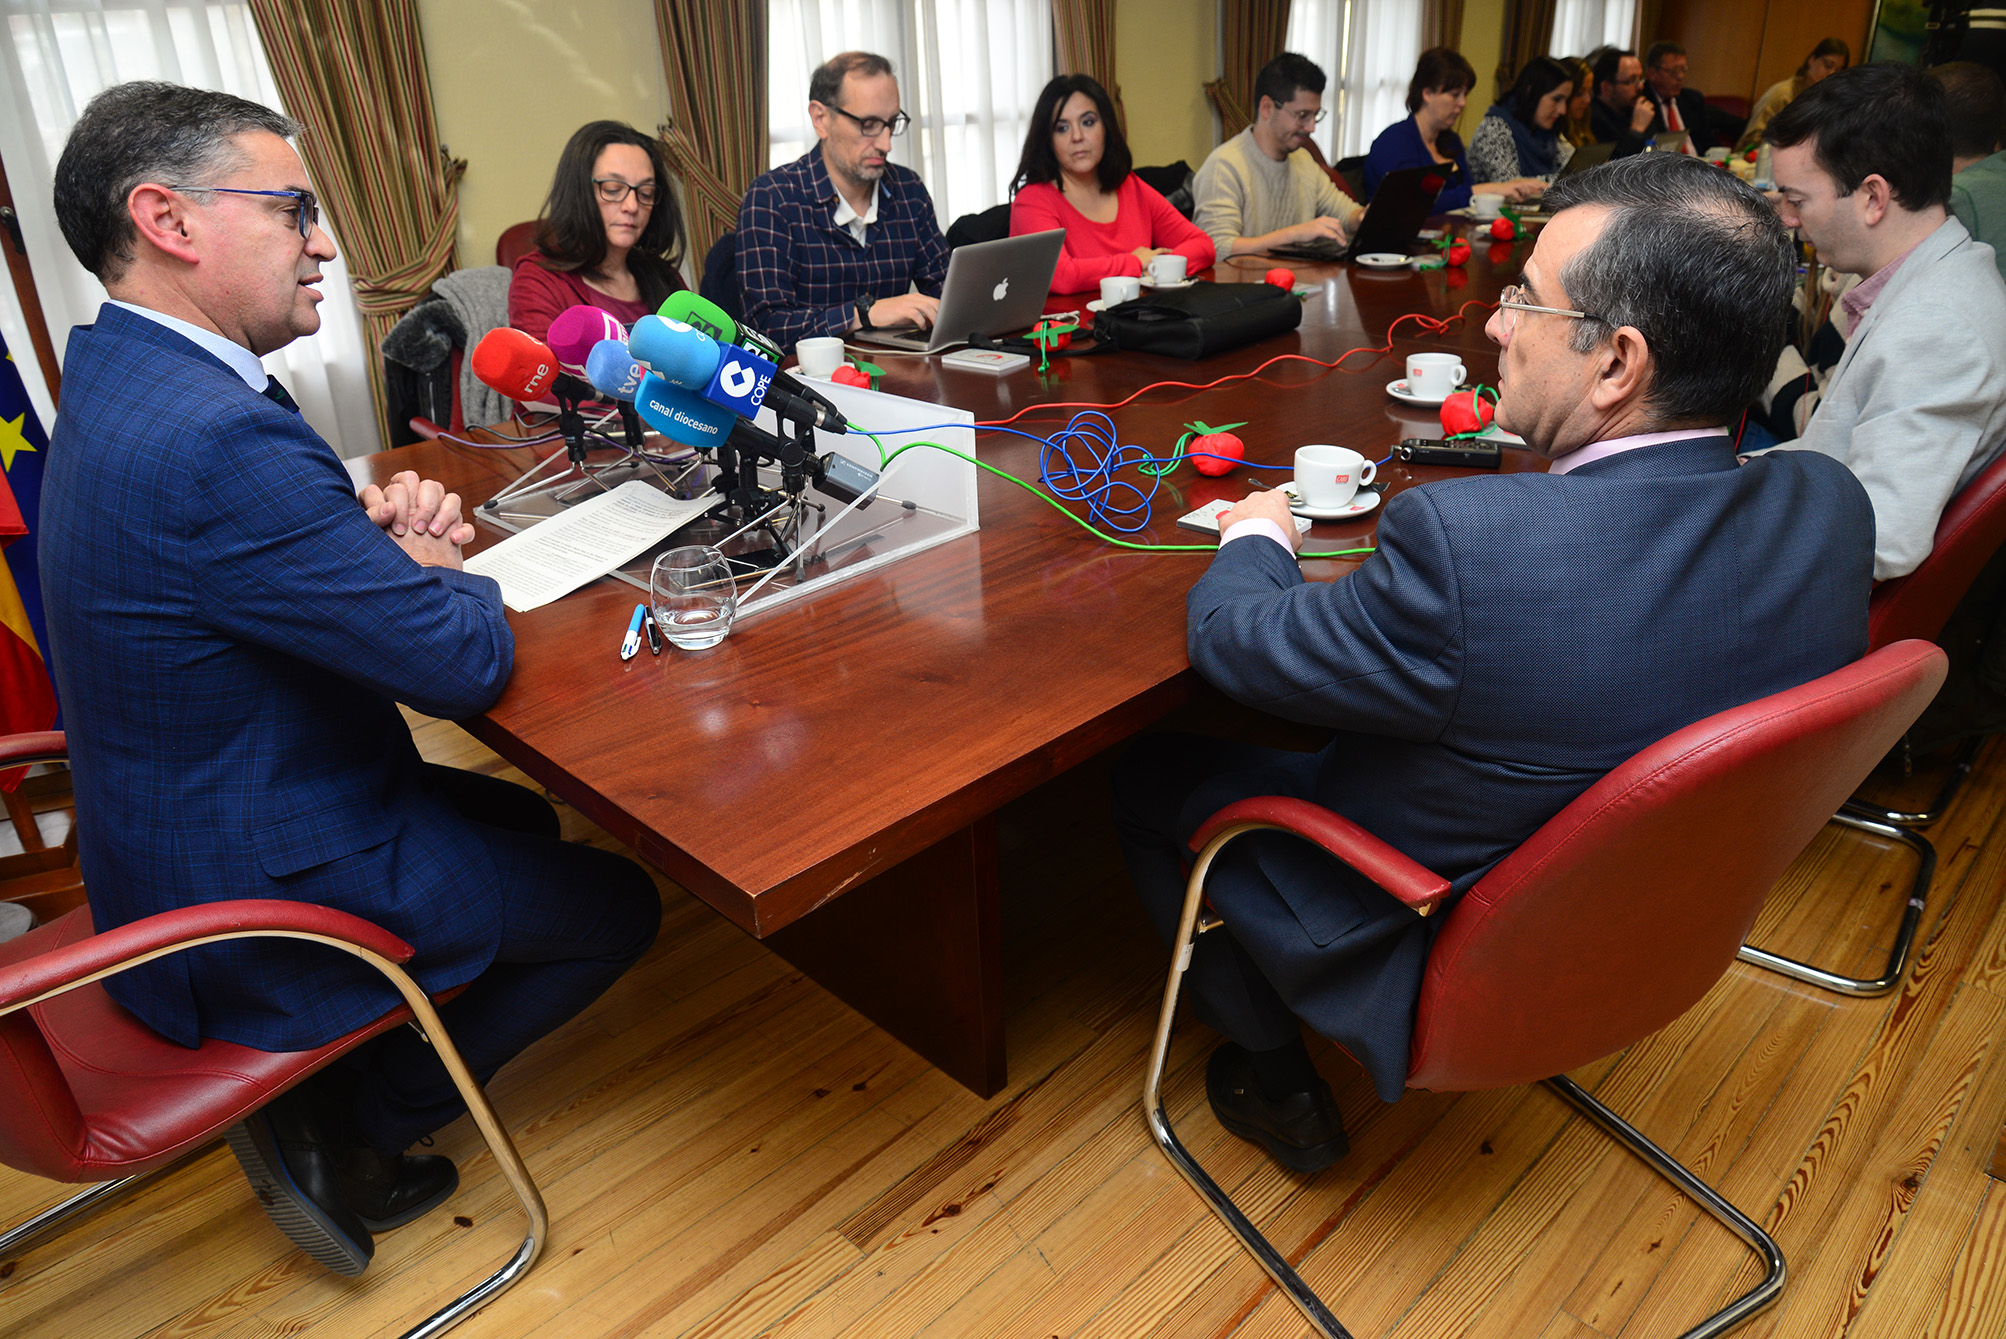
column 23, row 449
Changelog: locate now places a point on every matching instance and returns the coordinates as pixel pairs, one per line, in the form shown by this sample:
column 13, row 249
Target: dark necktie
column 278, row 394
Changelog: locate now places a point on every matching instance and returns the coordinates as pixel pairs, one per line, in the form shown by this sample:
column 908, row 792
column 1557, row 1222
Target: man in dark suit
column 232, row 629
column 1678, row 107
column 1514, row 637
column 1618, row 115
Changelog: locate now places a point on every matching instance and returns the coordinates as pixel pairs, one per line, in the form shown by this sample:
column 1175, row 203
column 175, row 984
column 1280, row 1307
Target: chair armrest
column 426, row 428
column 33, row 747
column 1412, row 883
column 128, row 945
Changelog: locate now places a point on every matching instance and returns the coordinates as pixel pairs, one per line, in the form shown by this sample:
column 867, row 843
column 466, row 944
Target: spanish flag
column 27, row 697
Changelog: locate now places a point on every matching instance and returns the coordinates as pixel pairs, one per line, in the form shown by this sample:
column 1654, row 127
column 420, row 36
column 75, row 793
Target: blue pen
column 632, row 642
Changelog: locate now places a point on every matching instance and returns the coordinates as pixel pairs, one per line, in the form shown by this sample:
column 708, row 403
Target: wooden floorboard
column 730, row 1153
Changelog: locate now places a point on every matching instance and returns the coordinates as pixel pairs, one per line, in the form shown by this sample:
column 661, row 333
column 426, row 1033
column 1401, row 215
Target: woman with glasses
column 1436, row 97
column 1075, row 174
column 1827, row 58
column 609, row 235
column 1519, row 139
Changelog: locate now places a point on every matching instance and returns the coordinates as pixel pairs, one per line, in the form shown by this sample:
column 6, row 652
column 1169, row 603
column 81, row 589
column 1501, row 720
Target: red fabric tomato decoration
column 1203, row 449
column 1504, row 230
column 1281, row 278
column 1459, row 252
column 849, row 374
column 1465, row 411
column 1050, row 342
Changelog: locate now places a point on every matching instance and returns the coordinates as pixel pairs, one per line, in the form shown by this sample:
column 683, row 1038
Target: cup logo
column 1343, row 478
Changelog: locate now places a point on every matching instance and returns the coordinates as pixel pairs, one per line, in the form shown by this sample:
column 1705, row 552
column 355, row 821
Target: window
column 1579, row 26
column 969, row 73
column 1367, row 49
column 56, row 56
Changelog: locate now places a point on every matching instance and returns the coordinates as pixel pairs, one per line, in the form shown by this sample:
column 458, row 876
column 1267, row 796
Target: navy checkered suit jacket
column 230, row 634
column 1515, row 637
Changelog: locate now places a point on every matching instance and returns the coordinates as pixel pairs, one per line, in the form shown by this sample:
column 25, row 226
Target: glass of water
column 693, row 595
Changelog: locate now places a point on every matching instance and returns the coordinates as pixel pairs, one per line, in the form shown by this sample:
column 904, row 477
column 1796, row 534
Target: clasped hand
column 421, row 516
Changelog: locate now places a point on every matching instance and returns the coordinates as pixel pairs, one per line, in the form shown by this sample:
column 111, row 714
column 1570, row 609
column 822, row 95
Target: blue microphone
column 612, row 370
column 727, row 375
column 681, row 415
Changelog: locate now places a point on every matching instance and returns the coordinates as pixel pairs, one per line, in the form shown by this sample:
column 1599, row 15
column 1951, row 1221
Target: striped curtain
column 353, row 73
column 1441, row 23
column 1528, row 33
column 715, row 57
column 1083, row 43
column 1255, row 31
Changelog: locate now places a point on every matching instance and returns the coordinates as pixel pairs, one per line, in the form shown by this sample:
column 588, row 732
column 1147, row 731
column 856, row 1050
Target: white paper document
column 556, row 556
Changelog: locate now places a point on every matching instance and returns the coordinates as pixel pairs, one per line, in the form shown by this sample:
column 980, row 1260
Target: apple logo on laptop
column 1002, row 289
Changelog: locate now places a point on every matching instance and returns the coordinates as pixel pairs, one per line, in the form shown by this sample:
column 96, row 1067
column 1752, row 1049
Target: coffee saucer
column 1383, row 260
column 1398, row 390
column 1148, row 282
column 1363, row 501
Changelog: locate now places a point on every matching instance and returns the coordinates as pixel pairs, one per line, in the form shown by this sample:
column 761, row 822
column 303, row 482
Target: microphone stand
column 577, row 472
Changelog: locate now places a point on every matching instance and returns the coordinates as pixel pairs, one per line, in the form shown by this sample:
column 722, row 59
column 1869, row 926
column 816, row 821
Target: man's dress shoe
column 1303, row 1131
column 390, row 1192
column 296, row 1176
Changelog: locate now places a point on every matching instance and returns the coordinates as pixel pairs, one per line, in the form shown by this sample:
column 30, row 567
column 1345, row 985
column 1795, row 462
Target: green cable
column 884, row 461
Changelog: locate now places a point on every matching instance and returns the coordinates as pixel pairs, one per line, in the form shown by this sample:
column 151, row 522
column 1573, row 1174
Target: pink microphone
column 576, row 331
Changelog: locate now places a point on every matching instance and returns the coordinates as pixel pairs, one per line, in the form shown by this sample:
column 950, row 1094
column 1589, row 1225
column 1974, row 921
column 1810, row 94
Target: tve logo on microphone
column 740, row 381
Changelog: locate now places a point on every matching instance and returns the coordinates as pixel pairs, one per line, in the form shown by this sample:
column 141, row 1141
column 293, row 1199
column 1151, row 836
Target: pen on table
column 632, row 641
column 654, row 631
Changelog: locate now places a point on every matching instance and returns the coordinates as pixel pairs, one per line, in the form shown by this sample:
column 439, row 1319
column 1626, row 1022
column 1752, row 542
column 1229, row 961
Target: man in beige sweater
column 1261, row 189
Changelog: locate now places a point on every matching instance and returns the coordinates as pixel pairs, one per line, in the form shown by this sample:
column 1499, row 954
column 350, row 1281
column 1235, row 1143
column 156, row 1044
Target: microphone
column 727, row 375
column 699, row 312
column 681, row 416
column 612, row 370
column 519, row 366
column 576, row 330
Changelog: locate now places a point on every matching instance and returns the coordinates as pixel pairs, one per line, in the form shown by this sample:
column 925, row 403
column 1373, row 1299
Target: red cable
column 1431, row 324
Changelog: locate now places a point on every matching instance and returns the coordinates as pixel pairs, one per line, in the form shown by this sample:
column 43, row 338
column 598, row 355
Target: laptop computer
column 991, row 288
column 1587, row 156
column 1670, row 141
column 1398, row 210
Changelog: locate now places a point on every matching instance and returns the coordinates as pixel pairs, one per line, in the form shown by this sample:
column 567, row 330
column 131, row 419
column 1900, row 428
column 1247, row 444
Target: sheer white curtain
column 1579, row 26
column 57, row 54
column 969, row 73
column 1367, row 49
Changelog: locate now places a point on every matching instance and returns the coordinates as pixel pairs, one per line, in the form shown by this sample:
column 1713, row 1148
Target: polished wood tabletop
column 858, row 739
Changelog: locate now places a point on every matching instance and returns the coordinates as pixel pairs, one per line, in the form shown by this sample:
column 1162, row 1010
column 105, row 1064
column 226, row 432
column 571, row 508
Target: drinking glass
column 693, row 595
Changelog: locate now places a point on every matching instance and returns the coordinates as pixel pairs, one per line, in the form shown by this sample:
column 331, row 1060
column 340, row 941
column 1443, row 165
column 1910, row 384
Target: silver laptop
column 991, row 288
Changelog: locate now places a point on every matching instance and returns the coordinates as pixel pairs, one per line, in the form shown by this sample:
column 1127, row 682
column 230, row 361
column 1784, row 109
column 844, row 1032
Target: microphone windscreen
column 612, row 370
column 700, row 313
column 674, row 352
column 576, row 330
column 520, row 366
column 680, row 416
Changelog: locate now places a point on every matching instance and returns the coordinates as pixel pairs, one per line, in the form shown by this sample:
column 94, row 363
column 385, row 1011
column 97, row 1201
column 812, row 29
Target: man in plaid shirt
column 836, row 240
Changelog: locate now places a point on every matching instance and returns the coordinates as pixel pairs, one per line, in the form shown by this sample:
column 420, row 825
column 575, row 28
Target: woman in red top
column 609, row 235
column 1075, row 174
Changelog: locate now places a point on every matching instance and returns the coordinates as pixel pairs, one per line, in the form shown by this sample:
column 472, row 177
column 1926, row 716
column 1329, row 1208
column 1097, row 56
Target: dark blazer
column 230, row 634
column 1609, row 127
column 1692, row 110
column 1515, row 637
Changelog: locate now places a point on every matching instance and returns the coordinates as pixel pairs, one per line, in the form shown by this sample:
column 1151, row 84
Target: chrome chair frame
column 426, row 1018
column 1195, row 922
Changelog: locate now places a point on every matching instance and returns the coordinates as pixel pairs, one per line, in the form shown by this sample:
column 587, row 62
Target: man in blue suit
column 232, row 629
column 1515, row 636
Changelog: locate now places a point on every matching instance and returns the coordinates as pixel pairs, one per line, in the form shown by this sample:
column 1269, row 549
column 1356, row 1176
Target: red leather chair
column 1607, row 924
column 1916, row 606
column 88, row 1093
column 517, row 240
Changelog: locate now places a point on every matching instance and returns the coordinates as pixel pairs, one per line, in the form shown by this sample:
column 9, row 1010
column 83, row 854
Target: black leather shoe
column 1302, row 1131
column 296, row 1176
column 390, row 1192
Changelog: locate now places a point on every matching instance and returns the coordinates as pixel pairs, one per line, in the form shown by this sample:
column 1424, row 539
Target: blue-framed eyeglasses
column 309, row 208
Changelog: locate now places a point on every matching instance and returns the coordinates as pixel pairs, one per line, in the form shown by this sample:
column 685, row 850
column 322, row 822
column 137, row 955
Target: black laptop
column 1392, row 221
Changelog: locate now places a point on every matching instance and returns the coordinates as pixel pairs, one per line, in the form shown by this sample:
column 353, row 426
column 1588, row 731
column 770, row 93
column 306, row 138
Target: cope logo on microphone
column 740, row 382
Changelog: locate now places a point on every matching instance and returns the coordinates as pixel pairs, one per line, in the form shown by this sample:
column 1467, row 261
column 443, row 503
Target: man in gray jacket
column 1916, row 406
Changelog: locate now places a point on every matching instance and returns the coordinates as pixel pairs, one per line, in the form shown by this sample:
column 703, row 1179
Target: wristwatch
column 864, row 305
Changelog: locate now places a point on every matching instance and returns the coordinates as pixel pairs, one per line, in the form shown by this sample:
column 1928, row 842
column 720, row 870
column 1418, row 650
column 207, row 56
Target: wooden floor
column 727, row 1151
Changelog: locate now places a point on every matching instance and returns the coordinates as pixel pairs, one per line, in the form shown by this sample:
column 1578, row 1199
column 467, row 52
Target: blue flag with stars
column 24, row 447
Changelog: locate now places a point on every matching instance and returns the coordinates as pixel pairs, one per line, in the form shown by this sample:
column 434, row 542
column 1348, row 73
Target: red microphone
column 520, row 366
column 577, row 331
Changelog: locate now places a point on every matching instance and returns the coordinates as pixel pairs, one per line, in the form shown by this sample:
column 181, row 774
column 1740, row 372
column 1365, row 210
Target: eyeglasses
column 613, row 190
column 1307, row 118
column 307, row 212
column 1512, row 301
column 872, row 127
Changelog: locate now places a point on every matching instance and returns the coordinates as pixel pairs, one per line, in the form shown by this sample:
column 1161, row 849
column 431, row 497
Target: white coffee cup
column 1434, row 376
column 820, row 355
column 1328, row 477
column 1167, row 268
column 1716, row 156
column 1120, row 288
column 1487, row 205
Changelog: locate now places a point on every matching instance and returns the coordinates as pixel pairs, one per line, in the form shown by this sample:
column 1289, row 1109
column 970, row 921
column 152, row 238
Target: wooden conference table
column 827, row 777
